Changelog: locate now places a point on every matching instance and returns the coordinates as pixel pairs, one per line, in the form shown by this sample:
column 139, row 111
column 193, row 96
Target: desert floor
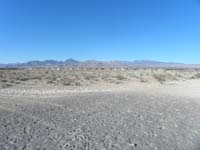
column 138, row 110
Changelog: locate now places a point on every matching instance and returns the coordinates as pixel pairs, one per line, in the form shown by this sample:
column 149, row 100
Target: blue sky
column 163, row 30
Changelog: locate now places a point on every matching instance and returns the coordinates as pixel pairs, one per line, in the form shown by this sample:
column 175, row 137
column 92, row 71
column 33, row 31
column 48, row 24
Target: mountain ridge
column 72, row 63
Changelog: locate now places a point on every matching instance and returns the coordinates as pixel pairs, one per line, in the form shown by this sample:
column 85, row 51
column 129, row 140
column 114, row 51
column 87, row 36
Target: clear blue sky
column 164, row 30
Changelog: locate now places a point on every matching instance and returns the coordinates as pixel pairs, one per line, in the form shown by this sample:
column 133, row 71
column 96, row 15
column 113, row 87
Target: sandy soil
column 127, row 116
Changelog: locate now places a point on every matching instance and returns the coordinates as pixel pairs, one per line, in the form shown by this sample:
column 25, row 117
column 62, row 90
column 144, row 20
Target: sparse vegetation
column 197, row 76
column 160, row 78
column 120, row 77
column 79, row 77
column 143, row 80
column 4, row 80
column 6, row 85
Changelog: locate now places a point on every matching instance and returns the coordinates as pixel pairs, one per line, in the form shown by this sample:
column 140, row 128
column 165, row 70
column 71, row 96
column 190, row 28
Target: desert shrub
column 12, row 81
column 90, row 77
column 71, row 83
column 6, row 85
column 87, row 77
column 143, row 80
column 35, row 78
column 77, row 83
column 197, row 76
column 4, row 80
column 67, row 83
column 24, row 79
column 50, row 81
column 160, row 78
column 120, row 77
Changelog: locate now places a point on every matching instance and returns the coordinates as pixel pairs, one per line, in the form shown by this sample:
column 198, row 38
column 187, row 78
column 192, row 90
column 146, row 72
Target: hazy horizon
column 82, row 60
column 133, row 60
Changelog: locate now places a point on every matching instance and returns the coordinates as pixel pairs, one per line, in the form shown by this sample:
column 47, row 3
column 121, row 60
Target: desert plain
column 100, row 109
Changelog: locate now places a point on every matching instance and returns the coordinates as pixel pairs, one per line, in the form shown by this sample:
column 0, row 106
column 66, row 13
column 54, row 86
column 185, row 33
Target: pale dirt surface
column 127, row 116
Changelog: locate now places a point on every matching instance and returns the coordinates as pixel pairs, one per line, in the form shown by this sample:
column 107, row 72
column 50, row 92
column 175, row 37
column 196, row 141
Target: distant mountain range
column 71, row 63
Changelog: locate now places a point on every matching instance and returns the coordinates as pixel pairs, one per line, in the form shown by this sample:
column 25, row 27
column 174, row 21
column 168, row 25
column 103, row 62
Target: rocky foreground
column 131, row 115
column 100, row 121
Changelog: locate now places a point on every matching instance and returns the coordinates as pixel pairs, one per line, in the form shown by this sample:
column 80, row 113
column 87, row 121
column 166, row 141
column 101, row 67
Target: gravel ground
column 100, row 121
